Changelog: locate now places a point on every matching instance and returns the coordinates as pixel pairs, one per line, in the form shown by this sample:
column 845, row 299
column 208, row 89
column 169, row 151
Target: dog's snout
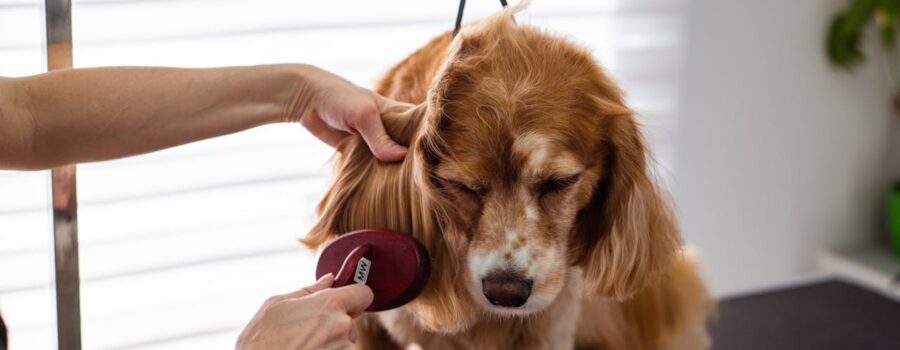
column 506, row 289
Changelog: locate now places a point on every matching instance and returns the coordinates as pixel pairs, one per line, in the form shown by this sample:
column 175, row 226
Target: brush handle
column 394, row 265
column 355, row 268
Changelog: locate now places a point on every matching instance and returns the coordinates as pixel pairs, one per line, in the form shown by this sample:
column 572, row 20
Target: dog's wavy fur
column 626, row 283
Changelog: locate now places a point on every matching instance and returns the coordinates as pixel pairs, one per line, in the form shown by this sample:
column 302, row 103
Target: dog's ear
column 402, row 120
column 627, row 234
column 352, row 200
column 367, row 193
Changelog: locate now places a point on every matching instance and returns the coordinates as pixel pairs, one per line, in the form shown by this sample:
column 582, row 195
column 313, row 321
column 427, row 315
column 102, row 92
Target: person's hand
column 315, row 317
column 332, row 108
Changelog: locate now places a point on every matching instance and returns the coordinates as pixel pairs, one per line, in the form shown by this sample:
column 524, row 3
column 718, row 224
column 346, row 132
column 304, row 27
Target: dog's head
column 525, row 166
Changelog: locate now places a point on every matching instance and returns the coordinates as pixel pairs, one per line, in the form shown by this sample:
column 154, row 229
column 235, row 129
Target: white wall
column 779, row 155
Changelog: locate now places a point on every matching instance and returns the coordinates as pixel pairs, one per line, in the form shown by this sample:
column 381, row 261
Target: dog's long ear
column 402, row 120
column 367, row 193
column 627, row 234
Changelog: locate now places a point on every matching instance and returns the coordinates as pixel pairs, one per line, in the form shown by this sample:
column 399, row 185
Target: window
column 180, row 247
column 26, row 294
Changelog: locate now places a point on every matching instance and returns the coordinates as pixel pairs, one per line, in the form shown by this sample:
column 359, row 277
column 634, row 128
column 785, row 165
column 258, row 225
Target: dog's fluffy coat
column 523, row 153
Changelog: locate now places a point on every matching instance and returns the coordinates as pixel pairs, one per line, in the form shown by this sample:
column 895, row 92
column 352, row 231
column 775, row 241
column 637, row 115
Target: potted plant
column 846, row 32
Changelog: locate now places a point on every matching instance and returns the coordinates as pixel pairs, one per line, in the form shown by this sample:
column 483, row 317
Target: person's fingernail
column 394, row 154
column 327, row 276
column 398, row 149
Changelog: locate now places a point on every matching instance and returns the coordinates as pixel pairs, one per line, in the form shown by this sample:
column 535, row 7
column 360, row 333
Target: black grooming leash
column 459, row 14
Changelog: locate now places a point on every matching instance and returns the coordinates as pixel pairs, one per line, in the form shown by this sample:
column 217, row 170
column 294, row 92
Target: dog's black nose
column 506, row 289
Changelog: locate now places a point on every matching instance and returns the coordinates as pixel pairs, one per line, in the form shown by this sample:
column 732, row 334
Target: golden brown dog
column 529, row 183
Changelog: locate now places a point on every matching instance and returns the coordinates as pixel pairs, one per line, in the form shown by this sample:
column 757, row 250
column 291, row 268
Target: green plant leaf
column 859, row 13
column 843, row 43
column 891, row 6
column 845, row 33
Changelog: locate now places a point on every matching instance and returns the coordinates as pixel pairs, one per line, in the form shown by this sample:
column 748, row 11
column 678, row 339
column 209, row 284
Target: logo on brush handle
column 362, row 271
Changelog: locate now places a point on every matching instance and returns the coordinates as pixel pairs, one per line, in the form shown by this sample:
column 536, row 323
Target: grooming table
column 822, row 316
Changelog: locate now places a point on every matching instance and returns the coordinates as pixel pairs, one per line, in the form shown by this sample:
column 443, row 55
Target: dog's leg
column 688, row 290
column 670, row 314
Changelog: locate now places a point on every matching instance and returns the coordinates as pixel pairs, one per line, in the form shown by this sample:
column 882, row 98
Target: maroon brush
column 395, row 265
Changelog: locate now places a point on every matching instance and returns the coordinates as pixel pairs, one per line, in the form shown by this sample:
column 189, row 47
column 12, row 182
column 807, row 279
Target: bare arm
column 87, row 115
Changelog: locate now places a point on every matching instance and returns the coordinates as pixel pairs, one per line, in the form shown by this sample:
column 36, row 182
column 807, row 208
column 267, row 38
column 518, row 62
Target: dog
column 528, row 181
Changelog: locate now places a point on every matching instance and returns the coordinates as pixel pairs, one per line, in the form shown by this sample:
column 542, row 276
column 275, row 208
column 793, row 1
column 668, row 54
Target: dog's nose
column 506, row 289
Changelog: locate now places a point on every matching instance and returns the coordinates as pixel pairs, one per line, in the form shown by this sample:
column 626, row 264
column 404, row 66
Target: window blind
column 26, row 294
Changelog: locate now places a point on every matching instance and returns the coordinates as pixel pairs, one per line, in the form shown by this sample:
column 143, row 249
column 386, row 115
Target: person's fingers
column 383, row 147
column 352, row 336
column 371, row 128
column 352, row 299
column 323, row 283
column 386, row 105
column 323, row 131
column 342, row 345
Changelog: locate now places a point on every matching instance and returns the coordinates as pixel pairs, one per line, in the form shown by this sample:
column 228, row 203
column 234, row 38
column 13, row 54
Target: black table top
column 822, row 316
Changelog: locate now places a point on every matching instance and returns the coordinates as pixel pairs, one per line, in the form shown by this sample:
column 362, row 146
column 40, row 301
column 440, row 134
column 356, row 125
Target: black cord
column 459, row 14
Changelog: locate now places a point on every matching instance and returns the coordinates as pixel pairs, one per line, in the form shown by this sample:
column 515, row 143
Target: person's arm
column 97, row 114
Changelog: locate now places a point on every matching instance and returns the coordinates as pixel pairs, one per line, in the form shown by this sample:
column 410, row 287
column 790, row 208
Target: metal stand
column 65, row 204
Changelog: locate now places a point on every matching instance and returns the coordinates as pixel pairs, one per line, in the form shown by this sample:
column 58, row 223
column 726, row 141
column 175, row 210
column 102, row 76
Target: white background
column 779, row 155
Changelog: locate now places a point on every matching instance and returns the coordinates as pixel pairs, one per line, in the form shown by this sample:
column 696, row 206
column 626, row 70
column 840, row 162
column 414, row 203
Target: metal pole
column 65, row 203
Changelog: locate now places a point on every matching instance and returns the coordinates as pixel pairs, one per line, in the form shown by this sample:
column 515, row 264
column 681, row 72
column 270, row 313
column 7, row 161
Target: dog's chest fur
column 553, row 328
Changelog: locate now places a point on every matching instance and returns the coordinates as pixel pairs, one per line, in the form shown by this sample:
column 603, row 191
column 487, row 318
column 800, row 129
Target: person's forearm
column 97, row 114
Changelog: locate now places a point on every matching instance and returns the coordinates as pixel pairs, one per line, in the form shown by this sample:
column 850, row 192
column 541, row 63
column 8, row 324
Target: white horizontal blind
column 26, row 295
column 180, row 247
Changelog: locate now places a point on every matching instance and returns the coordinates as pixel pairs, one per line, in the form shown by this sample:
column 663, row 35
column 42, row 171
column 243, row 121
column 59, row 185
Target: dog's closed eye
column 555, row 184
column 476, row 191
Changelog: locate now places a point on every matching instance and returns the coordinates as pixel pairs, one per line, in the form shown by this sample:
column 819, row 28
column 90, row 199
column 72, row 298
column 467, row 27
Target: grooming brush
column 394, row 265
